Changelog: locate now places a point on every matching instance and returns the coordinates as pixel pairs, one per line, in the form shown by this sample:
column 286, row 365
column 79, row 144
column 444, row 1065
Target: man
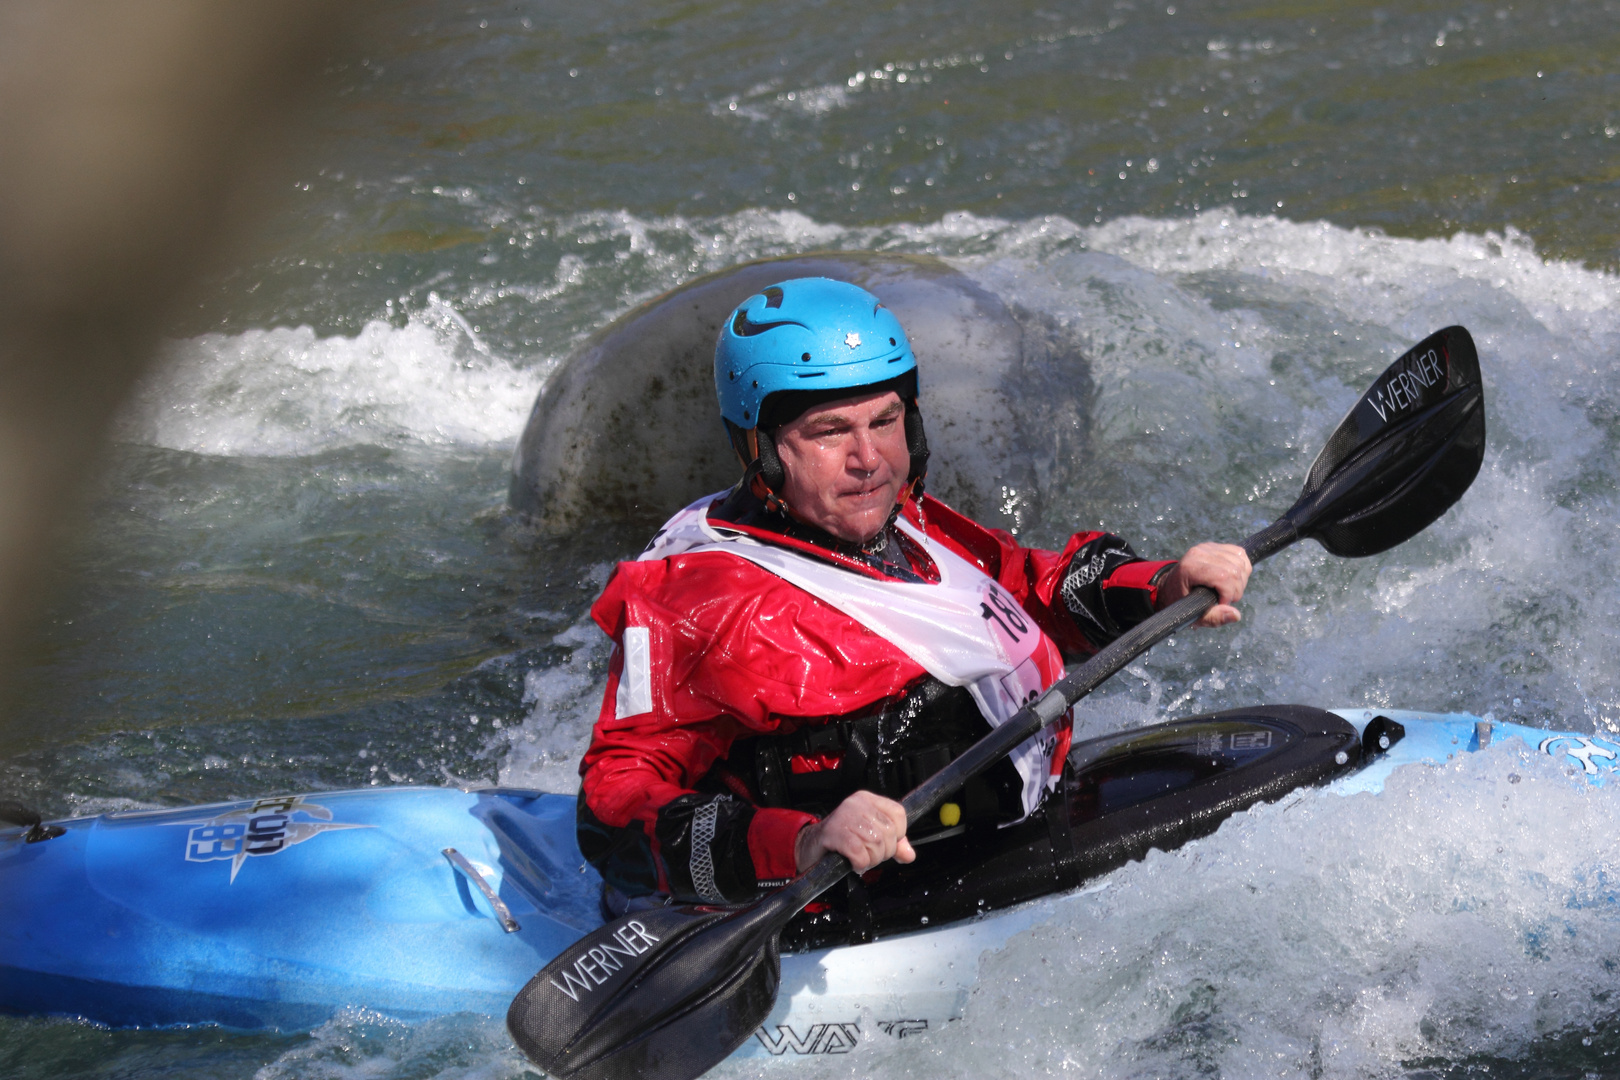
column 797, row 653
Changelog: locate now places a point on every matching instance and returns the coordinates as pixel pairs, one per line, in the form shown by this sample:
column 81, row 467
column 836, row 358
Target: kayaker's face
column 846, row 462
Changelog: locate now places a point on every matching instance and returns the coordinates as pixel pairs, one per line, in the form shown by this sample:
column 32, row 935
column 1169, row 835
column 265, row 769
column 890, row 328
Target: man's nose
column 864, row 454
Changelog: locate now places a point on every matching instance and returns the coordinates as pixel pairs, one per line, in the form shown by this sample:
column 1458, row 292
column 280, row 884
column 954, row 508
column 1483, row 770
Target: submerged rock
column 627, row 430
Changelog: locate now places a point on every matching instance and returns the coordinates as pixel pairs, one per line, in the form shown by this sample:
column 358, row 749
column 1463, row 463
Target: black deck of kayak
column 1126, row 794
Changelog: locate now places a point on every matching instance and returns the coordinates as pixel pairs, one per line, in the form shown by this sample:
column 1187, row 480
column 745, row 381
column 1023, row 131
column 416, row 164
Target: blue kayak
column 416, row 902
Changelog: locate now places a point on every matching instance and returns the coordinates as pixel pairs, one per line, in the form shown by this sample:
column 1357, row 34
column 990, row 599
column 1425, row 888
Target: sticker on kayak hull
column 1259, row 739
column 1211, row 744
column 1583, row 750
column 267, row 827
column 835, row 1038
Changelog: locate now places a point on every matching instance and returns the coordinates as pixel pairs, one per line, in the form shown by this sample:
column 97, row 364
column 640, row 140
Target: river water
column 296, row 571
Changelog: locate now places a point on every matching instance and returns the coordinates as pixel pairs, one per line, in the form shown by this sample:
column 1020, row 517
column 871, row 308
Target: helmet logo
column 743, row 326
column 853, row 340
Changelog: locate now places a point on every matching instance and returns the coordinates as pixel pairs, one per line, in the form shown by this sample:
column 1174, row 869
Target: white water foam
column 288, row 392
column 545, row 750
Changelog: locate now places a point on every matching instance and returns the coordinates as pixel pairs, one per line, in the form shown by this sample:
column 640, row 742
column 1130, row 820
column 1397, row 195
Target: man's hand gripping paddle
column 666, row 994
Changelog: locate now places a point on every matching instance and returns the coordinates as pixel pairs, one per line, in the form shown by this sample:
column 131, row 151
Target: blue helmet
column 800, row 342
column 805, row 334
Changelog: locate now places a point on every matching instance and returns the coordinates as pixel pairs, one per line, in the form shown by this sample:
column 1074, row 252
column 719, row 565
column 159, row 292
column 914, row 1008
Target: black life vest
column 889, row 750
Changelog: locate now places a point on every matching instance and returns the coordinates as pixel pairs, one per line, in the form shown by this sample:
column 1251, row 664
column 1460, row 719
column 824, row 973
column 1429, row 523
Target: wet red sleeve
column 771, row 838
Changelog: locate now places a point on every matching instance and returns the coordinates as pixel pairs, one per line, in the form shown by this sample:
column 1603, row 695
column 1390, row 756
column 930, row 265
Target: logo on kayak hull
column 839, row 1037
column 835, row 1038
column 1583, row 750
column 267, row 827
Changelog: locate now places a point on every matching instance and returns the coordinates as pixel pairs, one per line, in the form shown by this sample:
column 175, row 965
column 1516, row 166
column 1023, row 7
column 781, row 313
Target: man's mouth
column 866, row 492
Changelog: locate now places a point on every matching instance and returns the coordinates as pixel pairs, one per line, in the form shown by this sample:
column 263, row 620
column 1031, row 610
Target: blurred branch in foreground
column 139, row 140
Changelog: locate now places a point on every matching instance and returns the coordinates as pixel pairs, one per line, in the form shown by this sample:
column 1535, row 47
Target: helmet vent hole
column 805, row 358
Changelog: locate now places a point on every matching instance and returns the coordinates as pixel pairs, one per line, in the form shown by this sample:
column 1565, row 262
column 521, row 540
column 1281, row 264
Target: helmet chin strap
column 771, row 470
column 765, row 476
column 917, row 449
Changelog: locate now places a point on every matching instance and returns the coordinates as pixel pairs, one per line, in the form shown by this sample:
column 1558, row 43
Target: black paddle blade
column 659, row 995
column 1403, row 455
